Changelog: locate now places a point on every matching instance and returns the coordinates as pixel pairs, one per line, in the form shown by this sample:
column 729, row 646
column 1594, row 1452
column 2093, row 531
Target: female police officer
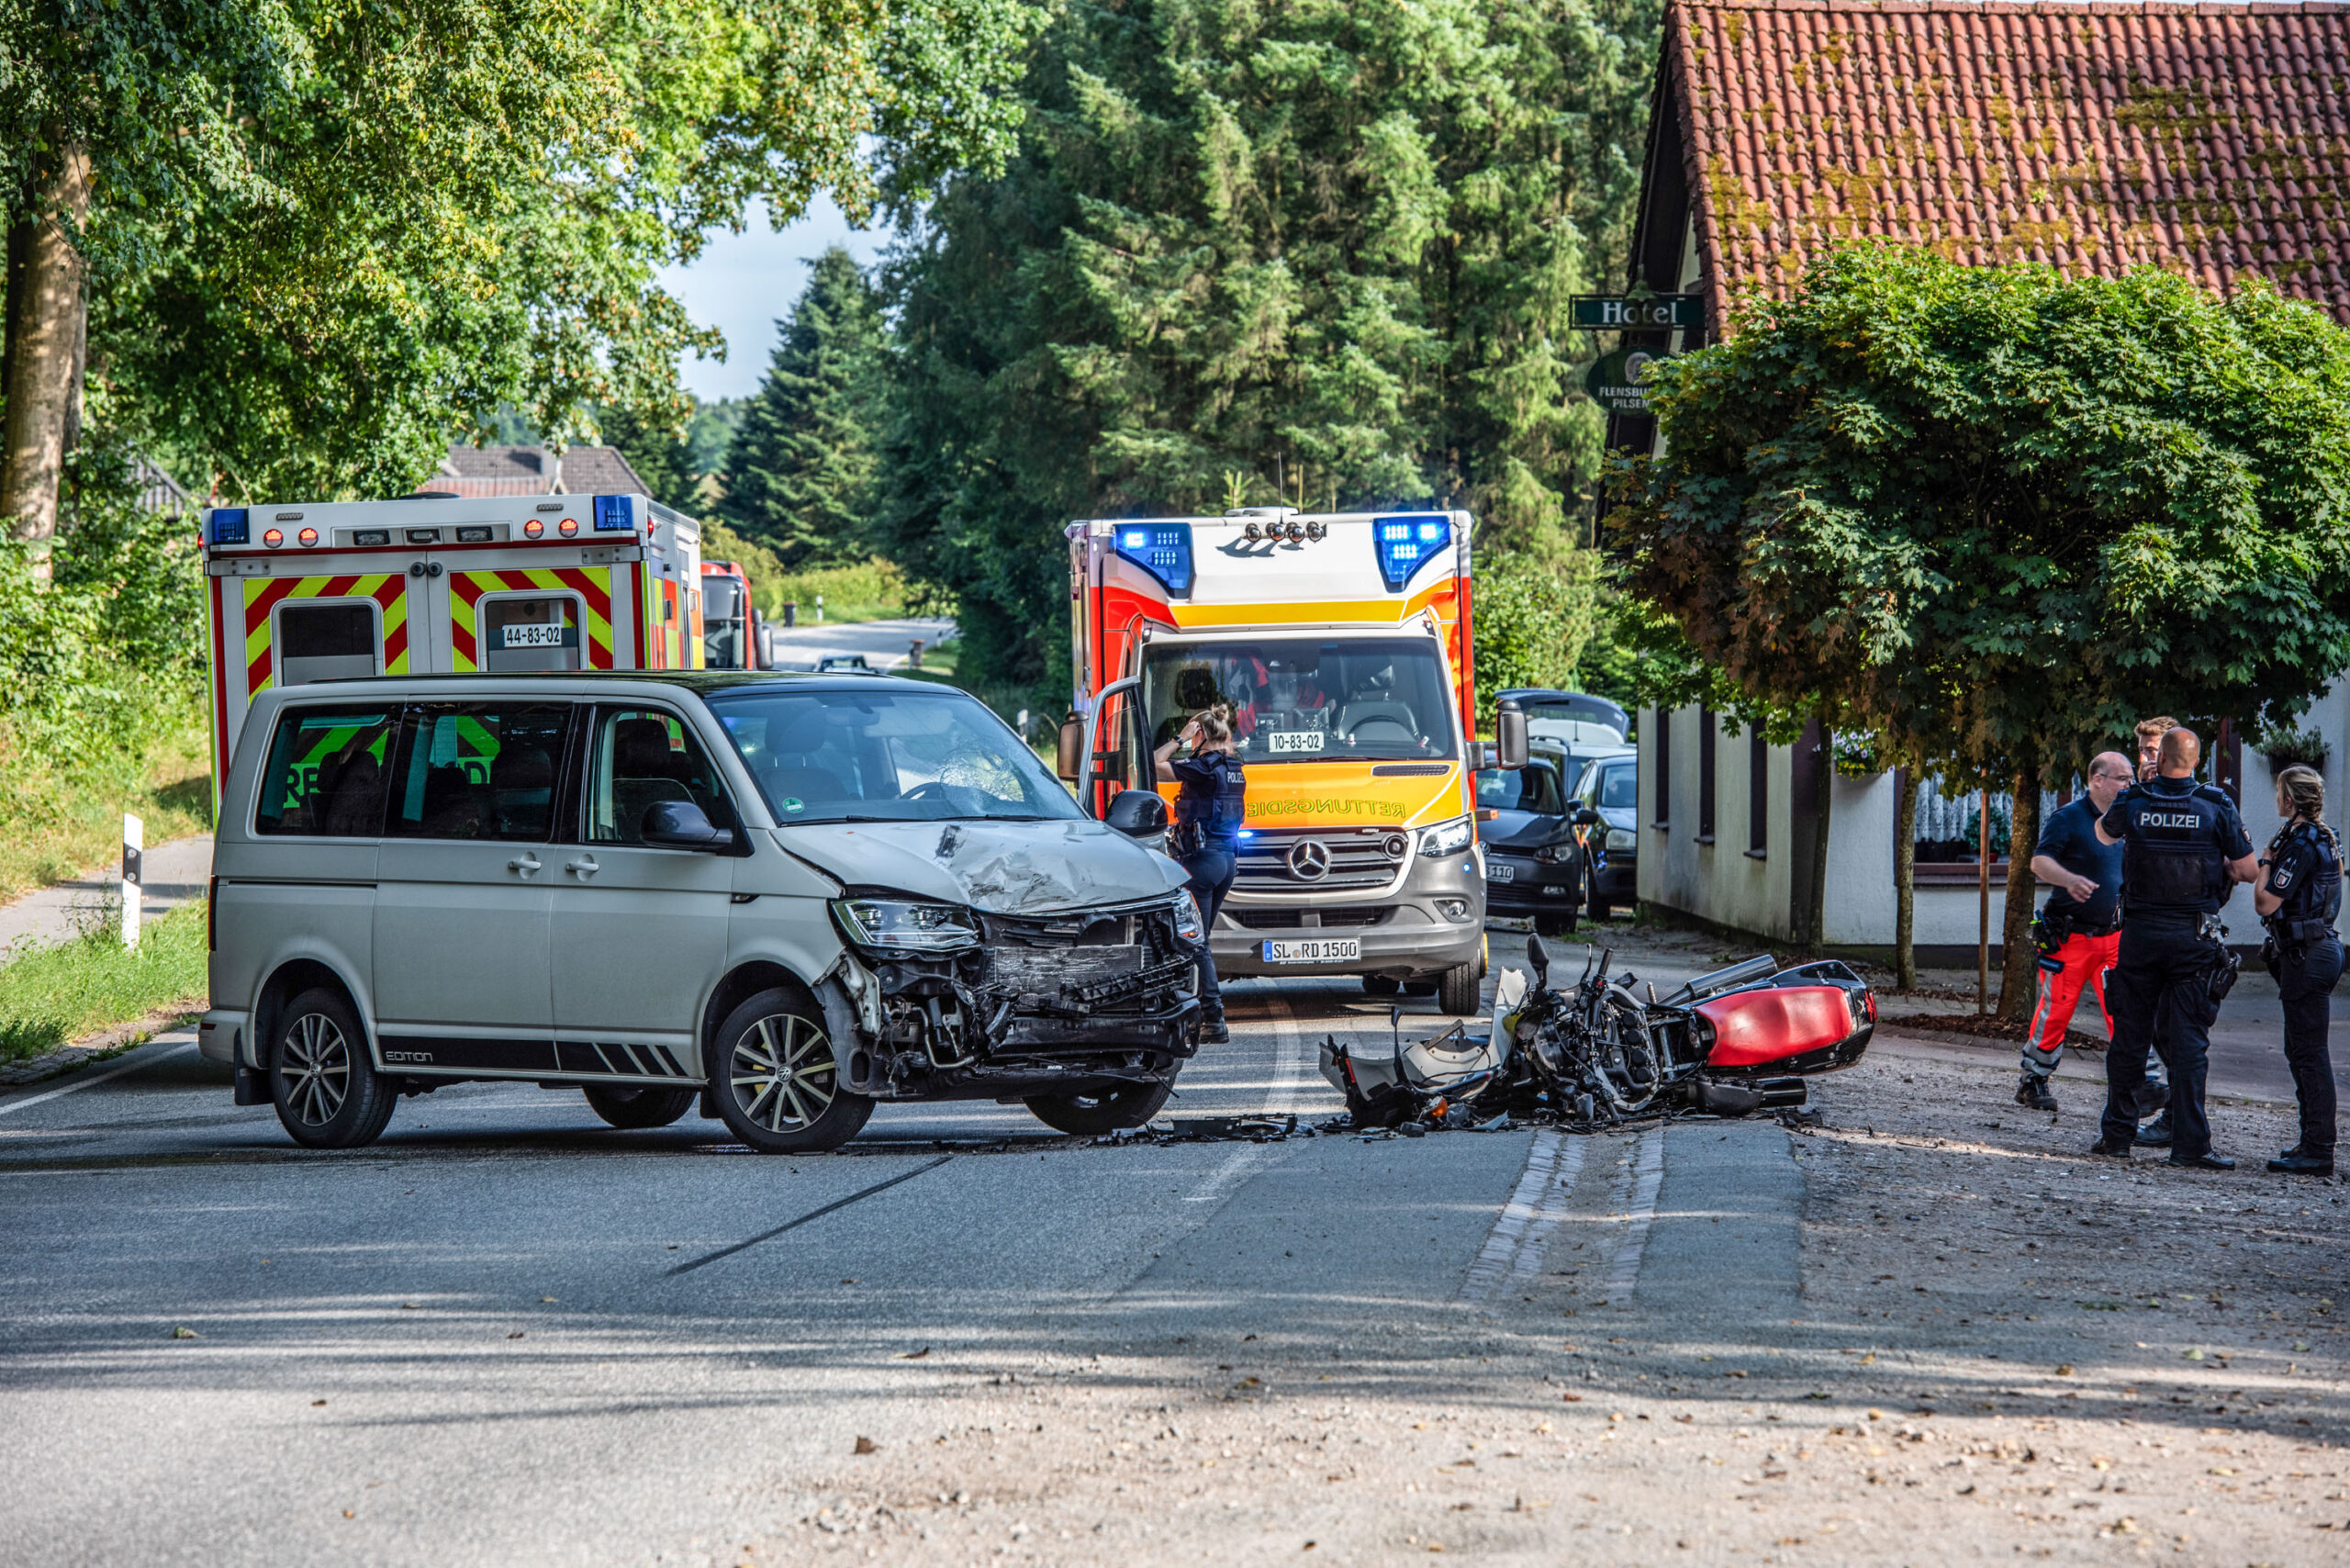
column 1208, row 809
column 2297, row 897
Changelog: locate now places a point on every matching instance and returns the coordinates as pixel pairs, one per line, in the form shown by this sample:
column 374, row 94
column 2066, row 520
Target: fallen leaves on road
column 184, row 1332
column 867, row 1445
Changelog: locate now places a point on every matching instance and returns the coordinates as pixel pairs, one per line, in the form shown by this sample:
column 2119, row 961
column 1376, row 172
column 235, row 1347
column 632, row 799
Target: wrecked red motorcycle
column 1728, row 1043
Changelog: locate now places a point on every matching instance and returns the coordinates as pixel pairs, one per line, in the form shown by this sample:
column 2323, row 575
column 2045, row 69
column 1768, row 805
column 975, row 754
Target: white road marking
column 1515, row 1247
column 1281, row 1099
column 1644, row 1175
column 87, row 1083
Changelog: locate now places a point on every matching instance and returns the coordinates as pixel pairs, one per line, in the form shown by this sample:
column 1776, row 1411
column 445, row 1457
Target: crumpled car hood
column 1000, row 867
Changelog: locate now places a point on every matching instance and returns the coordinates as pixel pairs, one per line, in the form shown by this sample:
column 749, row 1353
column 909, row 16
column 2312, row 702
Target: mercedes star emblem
column 1309, row 861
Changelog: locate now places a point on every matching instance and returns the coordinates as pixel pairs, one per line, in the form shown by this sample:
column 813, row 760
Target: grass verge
column 52, row 996
column 57, row 824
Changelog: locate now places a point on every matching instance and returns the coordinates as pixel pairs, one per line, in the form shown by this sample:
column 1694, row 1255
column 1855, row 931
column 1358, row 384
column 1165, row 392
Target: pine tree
column 1250, row 243
column 661, row 458
column 800, row 469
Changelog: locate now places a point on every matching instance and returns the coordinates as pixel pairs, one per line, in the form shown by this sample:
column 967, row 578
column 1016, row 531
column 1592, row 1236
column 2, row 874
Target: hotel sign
column 1649, row 312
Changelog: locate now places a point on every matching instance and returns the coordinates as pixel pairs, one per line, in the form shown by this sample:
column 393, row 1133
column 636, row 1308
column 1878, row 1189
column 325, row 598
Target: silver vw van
column 783, row 899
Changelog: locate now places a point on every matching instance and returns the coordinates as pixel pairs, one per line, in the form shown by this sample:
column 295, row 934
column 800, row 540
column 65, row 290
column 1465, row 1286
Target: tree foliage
column 330, row 234
column 1996, row 515
column 801, row 470
column 1245, row 249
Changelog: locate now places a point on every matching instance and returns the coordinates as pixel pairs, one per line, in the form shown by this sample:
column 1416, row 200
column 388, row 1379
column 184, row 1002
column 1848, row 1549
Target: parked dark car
column 1611, row 788
column 1533, row 862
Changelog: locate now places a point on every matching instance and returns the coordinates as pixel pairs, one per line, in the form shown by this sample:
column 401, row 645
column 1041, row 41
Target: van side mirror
column 1512, row 745
column 1137, row 813
column 681, row 824
column 1070, row 760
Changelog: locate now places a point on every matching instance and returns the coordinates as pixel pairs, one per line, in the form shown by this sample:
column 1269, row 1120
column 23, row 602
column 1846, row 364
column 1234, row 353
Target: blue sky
column 741, row 282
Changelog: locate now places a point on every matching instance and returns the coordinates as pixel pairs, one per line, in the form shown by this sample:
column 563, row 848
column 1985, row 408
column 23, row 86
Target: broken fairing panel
column 1013, row 869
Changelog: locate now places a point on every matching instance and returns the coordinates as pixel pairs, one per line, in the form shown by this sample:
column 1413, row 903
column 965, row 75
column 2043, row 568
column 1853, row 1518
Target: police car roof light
column 1406, row 543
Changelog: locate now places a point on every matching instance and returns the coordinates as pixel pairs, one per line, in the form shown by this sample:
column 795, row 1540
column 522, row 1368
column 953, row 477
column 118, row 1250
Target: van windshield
column 833, row 756
column 1308, row 699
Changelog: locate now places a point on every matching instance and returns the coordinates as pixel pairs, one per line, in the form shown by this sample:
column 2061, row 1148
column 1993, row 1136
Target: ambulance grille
column 1268, row 862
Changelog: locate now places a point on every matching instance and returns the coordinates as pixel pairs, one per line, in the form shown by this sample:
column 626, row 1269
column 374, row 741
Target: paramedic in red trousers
column 1210, row 806
column 2078, row 931
column 2183, row 845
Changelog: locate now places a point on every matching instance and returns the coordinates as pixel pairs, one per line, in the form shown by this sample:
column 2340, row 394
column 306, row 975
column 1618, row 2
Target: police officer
column 2297, row 897
column 1210, row 806
column 2182, row 844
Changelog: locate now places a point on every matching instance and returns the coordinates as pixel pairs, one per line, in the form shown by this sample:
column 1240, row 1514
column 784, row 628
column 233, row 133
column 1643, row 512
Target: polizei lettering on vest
column 2171, row 819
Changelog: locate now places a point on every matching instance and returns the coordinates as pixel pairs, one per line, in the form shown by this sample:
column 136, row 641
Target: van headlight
column 1445, row 838
column 905, row 926
column 1622, row 839
column 1188, row 923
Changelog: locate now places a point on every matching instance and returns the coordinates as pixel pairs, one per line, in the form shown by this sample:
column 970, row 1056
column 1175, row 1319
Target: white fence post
column 134, row 841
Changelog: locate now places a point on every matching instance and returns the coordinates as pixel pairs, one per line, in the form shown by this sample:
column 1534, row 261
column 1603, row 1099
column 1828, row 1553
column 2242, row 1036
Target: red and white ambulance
column 320, row 590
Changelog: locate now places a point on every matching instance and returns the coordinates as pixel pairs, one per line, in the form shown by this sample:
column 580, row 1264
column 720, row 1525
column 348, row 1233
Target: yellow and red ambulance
column 1341, row 643
column 315, row 591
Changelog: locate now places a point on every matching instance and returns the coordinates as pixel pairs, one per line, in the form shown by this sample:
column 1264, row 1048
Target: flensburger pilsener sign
column 1617, row 383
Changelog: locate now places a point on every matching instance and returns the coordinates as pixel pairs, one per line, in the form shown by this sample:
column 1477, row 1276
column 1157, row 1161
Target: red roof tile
column 2210, row 140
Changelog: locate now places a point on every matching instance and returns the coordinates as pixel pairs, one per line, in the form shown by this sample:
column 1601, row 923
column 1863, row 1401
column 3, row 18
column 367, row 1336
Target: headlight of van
column 905, row 926
column 1445, row 838
column 1622, row 839
column 1187, row 924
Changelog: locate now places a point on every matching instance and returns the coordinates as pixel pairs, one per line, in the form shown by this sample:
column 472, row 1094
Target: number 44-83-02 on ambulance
column 1341, row 643
column 320, row 591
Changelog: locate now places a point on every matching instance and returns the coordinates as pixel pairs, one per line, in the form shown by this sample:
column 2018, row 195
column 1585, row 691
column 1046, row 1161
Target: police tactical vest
column 2172, row 858
column 2310, row 908
column 1221, row 812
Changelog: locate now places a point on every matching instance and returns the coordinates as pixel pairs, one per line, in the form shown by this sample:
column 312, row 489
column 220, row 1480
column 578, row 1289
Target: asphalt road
column 884, row 644
column 508, row 1334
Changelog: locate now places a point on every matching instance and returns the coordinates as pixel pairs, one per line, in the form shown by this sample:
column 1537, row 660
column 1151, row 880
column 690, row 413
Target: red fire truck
column 314, row 591
column 730, row 622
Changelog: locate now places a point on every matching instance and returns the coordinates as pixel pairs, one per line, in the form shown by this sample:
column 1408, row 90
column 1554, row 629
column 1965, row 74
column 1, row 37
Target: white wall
column 1720, row 882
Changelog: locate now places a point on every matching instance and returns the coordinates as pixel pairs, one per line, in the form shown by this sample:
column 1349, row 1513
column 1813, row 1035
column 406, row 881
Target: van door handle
column 584, row 866
column 527, row 864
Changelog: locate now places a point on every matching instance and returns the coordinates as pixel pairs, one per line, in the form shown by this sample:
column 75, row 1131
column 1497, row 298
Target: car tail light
column 273, row 537
column 533, row 527
column 1868, row 1005
column 211, row 934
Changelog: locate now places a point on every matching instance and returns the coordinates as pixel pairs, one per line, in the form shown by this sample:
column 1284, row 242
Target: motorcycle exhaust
column 1784, row 1090
column 1725, row 1099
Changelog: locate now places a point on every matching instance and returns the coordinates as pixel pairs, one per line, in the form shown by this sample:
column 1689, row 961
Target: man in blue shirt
column 2183, row 845
column 2079, row 929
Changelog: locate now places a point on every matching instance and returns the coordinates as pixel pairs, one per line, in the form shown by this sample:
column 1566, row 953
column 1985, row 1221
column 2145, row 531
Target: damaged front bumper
column 1055, row 1005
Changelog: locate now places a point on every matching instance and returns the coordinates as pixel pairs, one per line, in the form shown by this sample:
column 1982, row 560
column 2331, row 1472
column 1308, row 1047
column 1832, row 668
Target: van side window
column 479, row 770
column 326, row 772
column 641, row 757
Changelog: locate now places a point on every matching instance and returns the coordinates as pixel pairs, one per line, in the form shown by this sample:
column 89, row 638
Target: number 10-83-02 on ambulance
column 498, row 585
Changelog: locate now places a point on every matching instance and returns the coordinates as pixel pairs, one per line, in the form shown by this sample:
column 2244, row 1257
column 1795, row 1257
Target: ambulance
column 319, row 591
column 1341, row 643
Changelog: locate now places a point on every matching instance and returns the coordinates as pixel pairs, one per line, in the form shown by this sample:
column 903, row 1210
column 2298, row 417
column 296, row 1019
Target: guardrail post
column 134, row 841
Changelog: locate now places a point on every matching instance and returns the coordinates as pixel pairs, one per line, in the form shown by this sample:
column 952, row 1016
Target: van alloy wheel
column 778, row 1078
column 325, row 1086
column 784, row 1068
column 317, row 1070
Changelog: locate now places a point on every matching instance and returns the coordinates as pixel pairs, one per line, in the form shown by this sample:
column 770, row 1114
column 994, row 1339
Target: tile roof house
column 2209, row 140
column 534, row 471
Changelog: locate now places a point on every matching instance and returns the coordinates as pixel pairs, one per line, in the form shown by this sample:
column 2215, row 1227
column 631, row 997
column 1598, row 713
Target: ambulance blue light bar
column 1162, row 549
column 231, row 525
column 614, row 514
column 1407, row 544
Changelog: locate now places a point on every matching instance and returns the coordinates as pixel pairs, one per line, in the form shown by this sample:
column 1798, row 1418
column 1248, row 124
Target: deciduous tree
column 1994, row 514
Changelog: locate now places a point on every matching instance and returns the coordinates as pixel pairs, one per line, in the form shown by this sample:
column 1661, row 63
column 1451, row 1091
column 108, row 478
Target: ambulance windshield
column 1308, row 699
column 833, row 756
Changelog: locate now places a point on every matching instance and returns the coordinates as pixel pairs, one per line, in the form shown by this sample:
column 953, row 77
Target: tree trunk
column 2016, row 988
column 1905, row 879
column 45, row 309
column 1823, row 794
